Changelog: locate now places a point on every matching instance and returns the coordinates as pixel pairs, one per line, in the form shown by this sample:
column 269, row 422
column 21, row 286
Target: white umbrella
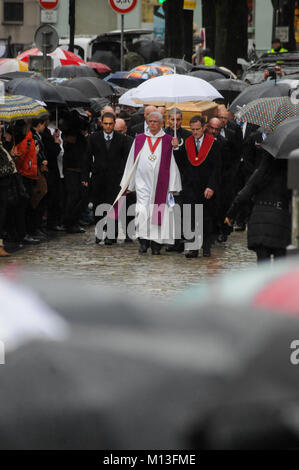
column 175, row 89
column 127, row 100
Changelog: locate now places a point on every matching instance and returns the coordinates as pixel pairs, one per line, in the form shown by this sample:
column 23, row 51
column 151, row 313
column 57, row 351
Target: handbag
column 7, row 166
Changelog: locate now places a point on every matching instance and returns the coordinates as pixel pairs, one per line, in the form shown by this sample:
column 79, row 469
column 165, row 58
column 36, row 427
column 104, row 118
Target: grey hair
column 173, row 111
column 156, row 113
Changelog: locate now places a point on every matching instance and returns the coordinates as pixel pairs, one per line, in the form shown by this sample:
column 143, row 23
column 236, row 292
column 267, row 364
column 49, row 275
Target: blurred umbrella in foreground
column 123, row 367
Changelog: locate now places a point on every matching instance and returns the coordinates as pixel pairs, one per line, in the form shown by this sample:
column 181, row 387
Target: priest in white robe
column 151, row 171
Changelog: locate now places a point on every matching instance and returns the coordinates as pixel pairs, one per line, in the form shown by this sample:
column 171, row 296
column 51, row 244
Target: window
column 13, row 12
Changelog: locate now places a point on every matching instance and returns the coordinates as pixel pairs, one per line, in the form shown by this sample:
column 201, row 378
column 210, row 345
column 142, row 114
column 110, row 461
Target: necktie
column 197, row 144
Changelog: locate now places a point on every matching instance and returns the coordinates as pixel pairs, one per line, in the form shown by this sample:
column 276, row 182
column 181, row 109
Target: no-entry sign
column 48, row 4
column 123, row 6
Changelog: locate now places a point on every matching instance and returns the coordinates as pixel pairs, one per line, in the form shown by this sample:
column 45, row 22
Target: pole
column 122, row 43
column 72, row 9
column 295, row 217
column 45, row 69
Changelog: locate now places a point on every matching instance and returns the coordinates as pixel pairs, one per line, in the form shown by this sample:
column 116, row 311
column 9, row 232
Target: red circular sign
column 123, row 6
column 48, row 4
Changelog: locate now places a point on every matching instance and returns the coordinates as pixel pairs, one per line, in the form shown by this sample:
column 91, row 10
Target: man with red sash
column 201, row 181
column 151, row 171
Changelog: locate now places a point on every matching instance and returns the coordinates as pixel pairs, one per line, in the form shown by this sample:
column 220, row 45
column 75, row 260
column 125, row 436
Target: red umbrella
column 99, row 67
column 60, row 57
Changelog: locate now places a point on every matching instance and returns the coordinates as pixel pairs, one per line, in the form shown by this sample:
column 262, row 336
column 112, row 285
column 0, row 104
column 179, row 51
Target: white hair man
column 151, row 171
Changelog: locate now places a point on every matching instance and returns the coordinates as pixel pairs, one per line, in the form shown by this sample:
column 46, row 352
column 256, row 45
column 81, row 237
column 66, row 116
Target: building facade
column 19, row 19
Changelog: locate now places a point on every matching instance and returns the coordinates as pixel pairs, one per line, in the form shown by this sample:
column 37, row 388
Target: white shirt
column 199, row 141
column 108, row 135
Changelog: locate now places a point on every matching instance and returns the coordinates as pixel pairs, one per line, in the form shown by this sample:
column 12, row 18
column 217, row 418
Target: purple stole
column 163, row 177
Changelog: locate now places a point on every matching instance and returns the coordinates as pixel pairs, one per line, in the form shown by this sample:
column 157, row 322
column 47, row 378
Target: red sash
column 194, row 158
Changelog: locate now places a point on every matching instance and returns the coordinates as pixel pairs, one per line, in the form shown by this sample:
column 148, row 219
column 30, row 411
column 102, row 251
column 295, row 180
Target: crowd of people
column 57, row 177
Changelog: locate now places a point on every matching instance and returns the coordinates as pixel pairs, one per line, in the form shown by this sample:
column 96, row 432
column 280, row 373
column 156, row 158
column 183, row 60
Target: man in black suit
column 231, row 156
column 201, row 181
column 180, row 156
column 106, row 158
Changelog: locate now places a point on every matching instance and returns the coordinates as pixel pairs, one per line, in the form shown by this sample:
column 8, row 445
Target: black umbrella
column 209, row 73
column 19, row 74
column 181, row 65
column 283, row 142
column 91, row 87
column 262, row 90
column 229, row 88
column 72, row 71
column 151, row 50
column 203, row 370
column 97, row 104
column 37, row 89
column 72, row 96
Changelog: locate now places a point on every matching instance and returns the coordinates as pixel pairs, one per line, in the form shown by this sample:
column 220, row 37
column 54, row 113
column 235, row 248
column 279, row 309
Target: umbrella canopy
column 121, row 79
column 72, row 96
column 175, row 88
column 180, row 65
column 99, row 67
column 60, row 57
column 90, row 86
column 283, row 142
column 211, row 361
column 13, row 108
column 151, row 50
column 209, row 73
column 97, row 104
column 127, row 100
column 37, row 89
column 72, row 71
column 229, row 88
column 267, row 89
column 12, row 75
column 268, row 112
column 150, row 71
column 12, row 65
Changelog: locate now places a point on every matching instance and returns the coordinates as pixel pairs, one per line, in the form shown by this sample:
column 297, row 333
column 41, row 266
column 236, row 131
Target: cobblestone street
column 77, row 257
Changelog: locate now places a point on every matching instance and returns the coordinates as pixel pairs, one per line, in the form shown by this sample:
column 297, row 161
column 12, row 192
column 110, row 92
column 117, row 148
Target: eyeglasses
column 151, row 121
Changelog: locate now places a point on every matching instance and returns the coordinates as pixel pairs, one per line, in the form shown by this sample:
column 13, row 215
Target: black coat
column 74, row 154
column 270, row 222
column 197, row 178
column 52, row 149
column 136, row 129
column 180, row 154
column 105, row 165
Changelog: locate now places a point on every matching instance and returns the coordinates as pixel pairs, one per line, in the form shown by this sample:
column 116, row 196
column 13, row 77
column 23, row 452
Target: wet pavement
column 78, row 257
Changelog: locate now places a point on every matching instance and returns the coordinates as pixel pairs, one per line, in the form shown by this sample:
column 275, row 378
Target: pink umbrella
column 60, row 57
column 99, row 67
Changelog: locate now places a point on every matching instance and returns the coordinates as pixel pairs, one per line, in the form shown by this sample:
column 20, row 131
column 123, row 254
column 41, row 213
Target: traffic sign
column 46, row 38
column 48, row 4
column 123, row 6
